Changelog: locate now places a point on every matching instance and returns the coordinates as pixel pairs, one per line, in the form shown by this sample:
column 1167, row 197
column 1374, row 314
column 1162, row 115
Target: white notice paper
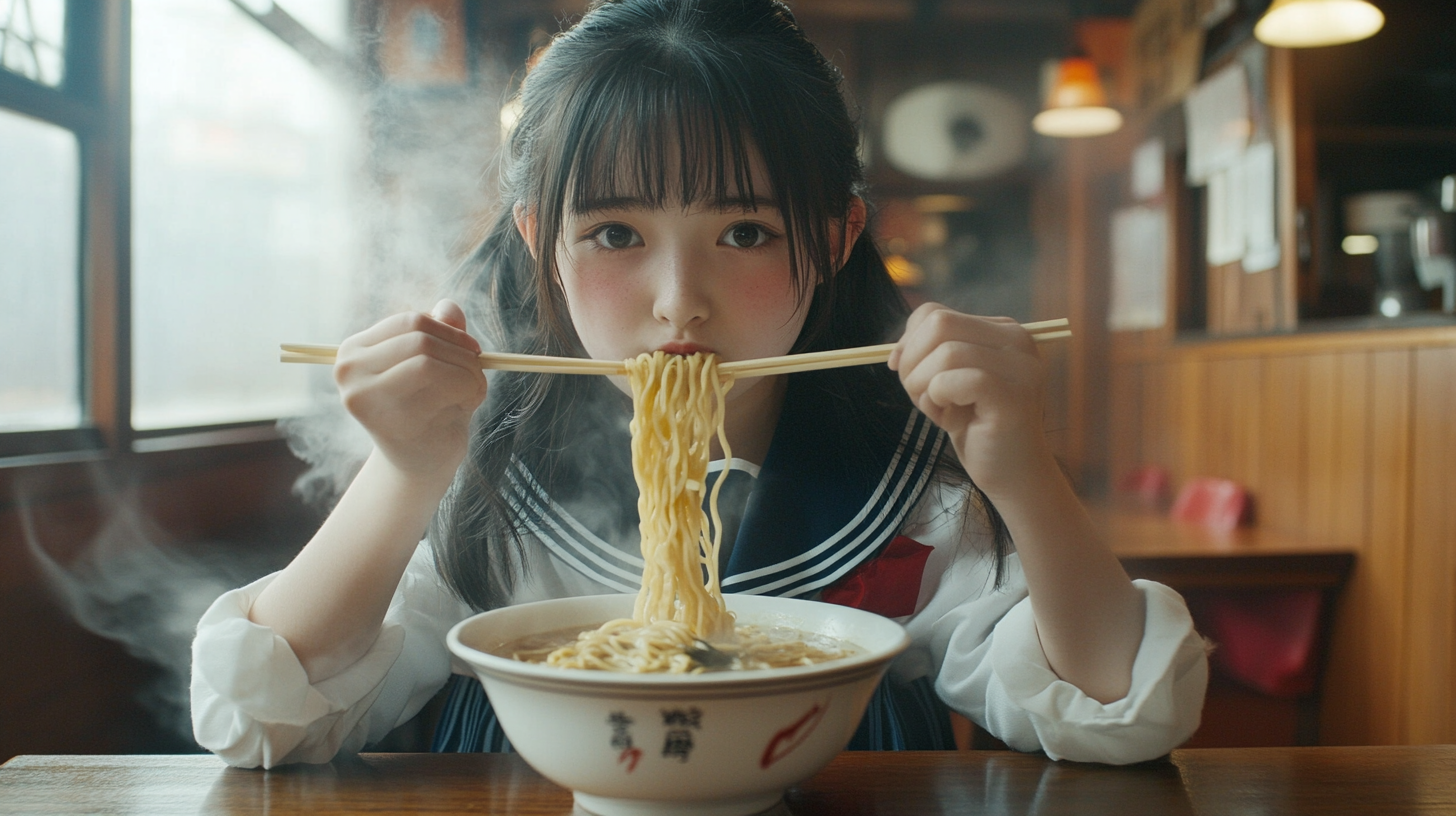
column 1225, row 218
column 1218, row 122
column 1261, row 240
column 1147, row 170
column 1139, row 269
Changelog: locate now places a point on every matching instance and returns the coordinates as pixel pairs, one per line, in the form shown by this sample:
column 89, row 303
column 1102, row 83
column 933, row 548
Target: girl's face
column 682, row 281
column 705, row 278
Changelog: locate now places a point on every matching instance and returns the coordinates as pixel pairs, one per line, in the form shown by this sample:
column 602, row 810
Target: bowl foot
column 608, row 806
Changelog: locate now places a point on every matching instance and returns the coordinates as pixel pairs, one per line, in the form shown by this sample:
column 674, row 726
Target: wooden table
column 1206, row 782
column 1187, row 556
column 1247, row 561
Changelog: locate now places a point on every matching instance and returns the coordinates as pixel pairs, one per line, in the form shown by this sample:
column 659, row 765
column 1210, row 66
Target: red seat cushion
column 1265, row 640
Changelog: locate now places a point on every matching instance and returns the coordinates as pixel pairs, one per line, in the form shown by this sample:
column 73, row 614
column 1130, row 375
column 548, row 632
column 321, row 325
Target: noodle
column 678, row 407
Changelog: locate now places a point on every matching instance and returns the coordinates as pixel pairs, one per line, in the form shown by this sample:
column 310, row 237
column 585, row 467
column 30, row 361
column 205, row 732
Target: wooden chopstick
column 498, row 361
column 787, row 364
column 863, row 355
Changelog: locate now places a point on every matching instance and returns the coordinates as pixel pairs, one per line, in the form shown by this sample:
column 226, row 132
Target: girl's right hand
column 413, row 381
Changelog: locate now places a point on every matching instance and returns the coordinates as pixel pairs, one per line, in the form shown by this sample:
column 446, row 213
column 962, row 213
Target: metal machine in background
column 1433, row 245
column 1413, row 243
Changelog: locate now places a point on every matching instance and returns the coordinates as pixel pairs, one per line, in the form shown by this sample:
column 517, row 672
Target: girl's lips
column 683, row 348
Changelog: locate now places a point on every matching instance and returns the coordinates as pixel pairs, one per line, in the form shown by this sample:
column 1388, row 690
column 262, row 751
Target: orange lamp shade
column 1077, row 85
column 1076, row 105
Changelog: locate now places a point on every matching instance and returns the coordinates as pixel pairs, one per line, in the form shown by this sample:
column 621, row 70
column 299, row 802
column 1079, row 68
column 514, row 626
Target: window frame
column 88, row 106
column 93, row 101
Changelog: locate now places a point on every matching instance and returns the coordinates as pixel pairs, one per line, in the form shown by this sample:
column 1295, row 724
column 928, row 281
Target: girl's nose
column 681, row 299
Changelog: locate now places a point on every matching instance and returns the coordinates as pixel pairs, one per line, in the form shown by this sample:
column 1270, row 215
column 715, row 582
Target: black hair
column 606, row 109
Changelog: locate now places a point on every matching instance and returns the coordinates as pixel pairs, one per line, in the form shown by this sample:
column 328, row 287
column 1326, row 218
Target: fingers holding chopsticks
column 408, row 333
column 413, row 381
column 981, row 379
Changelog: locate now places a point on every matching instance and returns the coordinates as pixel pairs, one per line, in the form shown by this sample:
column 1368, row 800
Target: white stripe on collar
column 572, row 542
column 532, row 491
column 877, row 500
column 851, row 563
column 740, row 465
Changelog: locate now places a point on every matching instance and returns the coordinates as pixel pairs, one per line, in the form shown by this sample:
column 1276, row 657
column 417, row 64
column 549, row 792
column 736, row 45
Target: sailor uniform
column 847, row 515
column 803, row 522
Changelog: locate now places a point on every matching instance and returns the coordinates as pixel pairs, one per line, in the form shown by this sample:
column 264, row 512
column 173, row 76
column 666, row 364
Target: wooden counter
column 1187, row 556
column 1209, row 782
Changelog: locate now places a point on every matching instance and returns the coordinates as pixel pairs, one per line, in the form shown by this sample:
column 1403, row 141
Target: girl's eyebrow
column 746, row 204
column 619, row 203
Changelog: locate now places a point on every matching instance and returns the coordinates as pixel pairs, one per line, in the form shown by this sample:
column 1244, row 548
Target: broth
column 756, row 648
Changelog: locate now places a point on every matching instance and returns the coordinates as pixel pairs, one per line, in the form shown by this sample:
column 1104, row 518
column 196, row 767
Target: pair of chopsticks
column 766, row 366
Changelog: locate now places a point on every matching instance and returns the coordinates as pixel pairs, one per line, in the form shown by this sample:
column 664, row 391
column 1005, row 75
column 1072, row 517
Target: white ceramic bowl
column 712, row 744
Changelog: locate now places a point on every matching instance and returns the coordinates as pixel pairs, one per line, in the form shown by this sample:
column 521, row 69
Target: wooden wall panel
column 1233, row 399
column 1321, row 423
column 1126, row 417
column 1192, row 409
column 1159, row 446
column 1353, row 438
column 1357, row 685
column 1385, row 560
column 1430, row 670
column 1363, row 698
column 1281, row 446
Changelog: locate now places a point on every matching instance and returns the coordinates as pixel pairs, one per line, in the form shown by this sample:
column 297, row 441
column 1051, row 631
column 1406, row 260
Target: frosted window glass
column 33, row 39
column 39, row 309
column 327, row 19
column 243, row 156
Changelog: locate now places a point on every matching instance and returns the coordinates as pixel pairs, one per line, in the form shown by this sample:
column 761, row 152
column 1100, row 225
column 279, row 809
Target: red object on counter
column 1218, row 504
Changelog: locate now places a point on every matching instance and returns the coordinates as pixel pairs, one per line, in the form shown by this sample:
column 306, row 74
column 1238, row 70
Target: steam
column 428, row 192
column 135, row 585
column 426, row 189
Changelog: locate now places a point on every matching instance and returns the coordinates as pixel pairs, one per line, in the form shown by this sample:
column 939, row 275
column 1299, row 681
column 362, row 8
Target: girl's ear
column 526, row 225
column 854, row 225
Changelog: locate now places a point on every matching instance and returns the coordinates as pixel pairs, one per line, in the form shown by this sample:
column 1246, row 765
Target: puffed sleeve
column 981, row 644
column 1029, row 707
column 252, row 704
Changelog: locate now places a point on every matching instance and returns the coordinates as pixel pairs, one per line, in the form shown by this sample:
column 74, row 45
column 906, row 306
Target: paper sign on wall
column 1139, row 269
column 1261, row 239
column 1219, row 127
column 1241, row 219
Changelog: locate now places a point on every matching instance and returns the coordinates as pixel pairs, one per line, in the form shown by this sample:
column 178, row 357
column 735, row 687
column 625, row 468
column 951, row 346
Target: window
column 32, row 35
column 39, row 297
column 242, row 160
column 158, row 240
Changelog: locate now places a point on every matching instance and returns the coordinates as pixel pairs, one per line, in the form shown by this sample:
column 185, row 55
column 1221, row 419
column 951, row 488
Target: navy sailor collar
column 814, row 512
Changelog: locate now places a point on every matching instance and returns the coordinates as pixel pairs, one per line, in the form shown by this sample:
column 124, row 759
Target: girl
column 684, row 177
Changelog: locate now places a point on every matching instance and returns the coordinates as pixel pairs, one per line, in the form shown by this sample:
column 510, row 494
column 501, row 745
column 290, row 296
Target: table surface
column 1188, row 556
column 1207, row 782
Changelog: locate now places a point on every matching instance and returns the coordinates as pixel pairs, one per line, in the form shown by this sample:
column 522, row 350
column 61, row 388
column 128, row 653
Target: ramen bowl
column 722, row 743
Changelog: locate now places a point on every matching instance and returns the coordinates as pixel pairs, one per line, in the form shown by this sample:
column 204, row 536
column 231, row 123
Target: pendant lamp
column 1076, row 106
column 1311, row 23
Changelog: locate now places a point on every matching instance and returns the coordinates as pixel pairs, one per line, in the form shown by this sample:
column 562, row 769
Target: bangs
column 651, row 139
column 660, row 109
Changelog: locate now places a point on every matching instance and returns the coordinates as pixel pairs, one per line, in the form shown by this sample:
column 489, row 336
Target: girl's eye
column 617, row 236
column 746, row 236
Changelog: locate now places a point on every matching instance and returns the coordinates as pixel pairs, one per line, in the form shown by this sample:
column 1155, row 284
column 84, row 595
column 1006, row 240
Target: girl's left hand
column 982, row 380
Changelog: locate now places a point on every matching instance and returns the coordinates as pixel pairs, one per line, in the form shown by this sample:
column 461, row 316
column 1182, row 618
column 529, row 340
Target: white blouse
column 253, row 706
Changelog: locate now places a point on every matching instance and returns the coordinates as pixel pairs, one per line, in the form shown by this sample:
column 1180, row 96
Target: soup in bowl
column 716, row 743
